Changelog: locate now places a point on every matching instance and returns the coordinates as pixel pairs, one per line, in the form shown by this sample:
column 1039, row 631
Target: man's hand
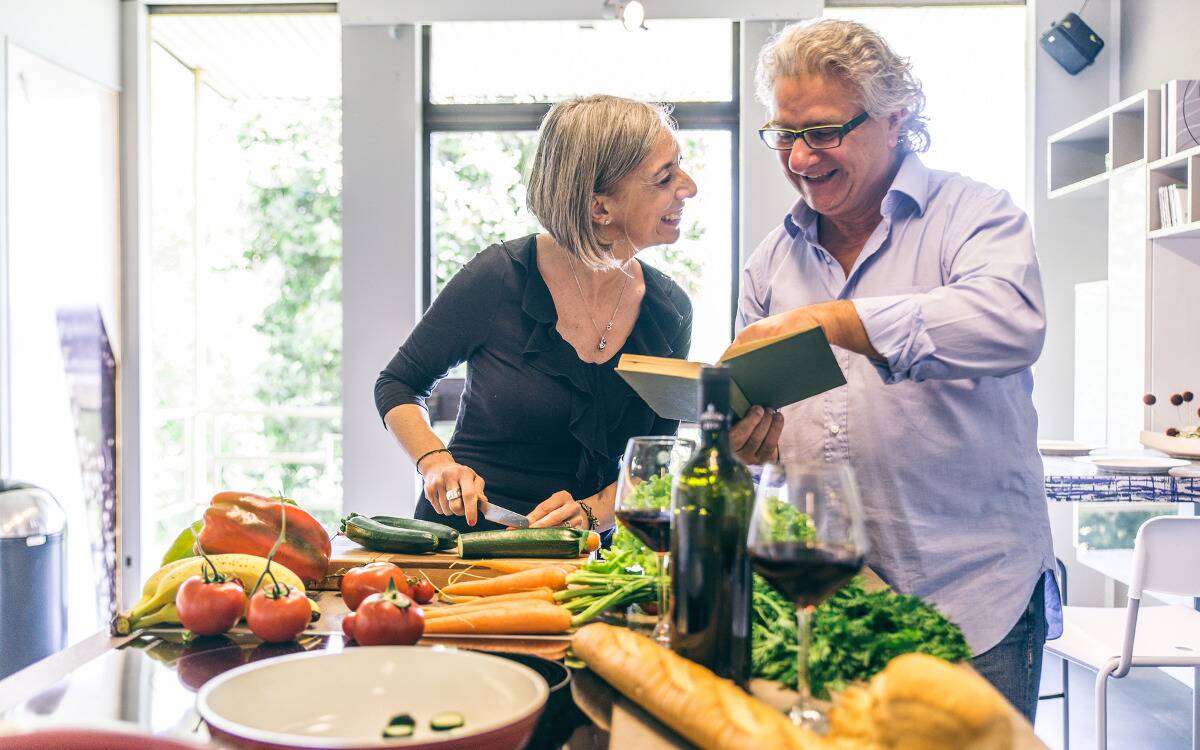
column 755, row 438
column 838, row 318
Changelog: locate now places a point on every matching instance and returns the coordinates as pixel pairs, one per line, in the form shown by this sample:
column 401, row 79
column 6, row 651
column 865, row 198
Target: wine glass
column 643, row 504
column 807, row 539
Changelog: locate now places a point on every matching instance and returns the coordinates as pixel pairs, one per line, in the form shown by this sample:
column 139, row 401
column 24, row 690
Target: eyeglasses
column 817, row 137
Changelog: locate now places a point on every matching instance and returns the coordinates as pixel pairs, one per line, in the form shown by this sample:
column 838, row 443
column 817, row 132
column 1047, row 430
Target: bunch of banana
column 157, row 604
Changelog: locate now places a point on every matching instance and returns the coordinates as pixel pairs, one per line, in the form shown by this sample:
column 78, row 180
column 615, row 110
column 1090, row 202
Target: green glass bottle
column 711, row 503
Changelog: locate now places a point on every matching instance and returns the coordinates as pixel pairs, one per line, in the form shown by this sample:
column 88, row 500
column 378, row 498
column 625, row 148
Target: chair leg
column 1066, row 706
column 1102, row 703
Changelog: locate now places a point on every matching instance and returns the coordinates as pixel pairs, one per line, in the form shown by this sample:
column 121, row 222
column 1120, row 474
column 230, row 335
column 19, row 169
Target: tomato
column 361, row 582
column 278, row 613
column 348, row 625
column 388, row 619
column 210, row 607
column 422, row 589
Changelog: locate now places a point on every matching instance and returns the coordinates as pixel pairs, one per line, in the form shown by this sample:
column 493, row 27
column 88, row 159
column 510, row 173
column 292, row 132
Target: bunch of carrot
column 516, row 603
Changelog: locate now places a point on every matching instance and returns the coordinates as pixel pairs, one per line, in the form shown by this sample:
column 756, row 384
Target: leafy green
column 615, row 577
column 651, row 494
column 787, row 524
column 855, row 634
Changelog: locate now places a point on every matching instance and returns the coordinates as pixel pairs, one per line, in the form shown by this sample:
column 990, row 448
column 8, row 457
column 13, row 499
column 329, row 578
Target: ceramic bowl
column 342, row 701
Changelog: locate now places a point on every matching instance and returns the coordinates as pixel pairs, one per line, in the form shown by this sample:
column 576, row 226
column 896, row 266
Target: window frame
column 502, row 117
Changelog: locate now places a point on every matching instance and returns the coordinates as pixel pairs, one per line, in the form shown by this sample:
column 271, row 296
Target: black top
column 534, row 418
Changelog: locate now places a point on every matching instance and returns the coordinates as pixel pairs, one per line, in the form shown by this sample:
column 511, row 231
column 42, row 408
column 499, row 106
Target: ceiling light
column 631, row 14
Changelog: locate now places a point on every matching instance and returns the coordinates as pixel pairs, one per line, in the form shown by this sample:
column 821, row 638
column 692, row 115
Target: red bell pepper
column 242, row 522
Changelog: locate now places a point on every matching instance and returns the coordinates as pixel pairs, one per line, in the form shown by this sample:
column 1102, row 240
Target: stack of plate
column 1064, row 448
column 1133, row 464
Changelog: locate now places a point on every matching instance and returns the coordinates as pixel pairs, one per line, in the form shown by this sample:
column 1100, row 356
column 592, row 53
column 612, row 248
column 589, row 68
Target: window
column 480, row 124
column 976, row 112
column 242, row 318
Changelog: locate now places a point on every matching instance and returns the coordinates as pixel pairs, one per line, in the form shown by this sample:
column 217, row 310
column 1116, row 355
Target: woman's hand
column 560, row 509
column 755, row 437
column 453, row 489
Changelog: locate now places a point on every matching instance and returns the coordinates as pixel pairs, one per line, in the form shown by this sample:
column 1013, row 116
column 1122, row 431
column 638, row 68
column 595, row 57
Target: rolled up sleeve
column 989, row 317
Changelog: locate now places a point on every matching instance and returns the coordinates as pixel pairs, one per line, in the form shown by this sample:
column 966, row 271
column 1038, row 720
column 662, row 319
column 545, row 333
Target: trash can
column 33, row 611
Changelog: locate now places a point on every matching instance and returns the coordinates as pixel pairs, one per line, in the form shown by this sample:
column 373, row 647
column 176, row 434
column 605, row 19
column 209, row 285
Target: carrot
column 549, row 576
column 516, row 566
column 537, row 595
column 512, row 618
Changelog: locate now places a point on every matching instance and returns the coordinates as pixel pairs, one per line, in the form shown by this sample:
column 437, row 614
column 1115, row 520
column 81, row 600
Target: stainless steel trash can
column 33, row 611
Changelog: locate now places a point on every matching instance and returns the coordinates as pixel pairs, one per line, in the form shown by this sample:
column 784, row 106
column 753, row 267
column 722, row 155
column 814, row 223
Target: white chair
column 1166, row 559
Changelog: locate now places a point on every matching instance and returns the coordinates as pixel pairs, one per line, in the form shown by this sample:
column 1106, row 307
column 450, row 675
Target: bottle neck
column 714, row 432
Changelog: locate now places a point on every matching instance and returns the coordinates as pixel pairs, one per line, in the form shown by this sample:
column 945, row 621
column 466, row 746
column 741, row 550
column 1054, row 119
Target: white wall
column 1160, row 40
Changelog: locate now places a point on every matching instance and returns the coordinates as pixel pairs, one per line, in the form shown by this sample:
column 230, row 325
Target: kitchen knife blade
column 504, row 516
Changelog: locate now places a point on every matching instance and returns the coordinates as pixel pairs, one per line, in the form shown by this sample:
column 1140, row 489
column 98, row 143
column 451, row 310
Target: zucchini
column 377, row 537
column 401, row 725
column 446, row 720
column 553, row 542
column 446, row 536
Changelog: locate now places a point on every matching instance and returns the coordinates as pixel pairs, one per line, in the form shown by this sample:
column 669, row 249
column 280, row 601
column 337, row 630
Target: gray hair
column 585, row 147
column 853, row 53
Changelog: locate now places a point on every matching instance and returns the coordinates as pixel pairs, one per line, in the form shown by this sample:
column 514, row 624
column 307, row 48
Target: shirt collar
column 911, row 181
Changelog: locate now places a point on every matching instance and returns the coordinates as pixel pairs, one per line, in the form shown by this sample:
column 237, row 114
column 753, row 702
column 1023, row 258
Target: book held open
column 770, row 372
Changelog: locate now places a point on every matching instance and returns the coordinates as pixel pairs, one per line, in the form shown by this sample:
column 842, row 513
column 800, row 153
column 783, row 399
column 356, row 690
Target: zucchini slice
column 401, row 725
column 446, row 720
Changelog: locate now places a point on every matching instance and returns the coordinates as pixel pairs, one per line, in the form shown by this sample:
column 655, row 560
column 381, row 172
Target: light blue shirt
column 943, row 437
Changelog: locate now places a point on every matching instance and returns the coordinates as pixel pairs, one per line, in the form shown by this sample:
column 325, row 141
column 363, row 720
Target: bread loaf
column 709, row 711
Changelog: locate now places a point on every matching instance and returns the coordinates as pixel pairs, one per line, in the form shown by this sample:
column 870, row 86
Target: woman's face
column 842, row 182
column 646, row 207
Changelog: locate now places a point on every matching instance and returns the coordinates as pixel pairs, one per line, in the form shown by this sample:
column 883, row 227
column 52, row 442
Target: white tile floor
column 1147, row 710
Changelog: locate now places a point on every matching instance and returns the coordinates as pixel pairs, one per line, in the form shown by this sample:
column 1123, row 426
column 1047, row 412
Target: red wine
column 653, row 527
column 805, row 575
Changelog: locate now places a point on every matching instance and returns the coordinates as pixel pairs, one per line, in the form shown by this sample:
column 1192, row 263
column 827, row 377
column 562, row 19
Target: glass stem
column 662, row 586
column 803, row 639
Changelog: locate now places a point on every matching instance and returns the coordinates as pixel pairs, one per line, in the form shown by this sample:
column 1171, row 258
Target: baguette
column 919, row 702
column 709, row 711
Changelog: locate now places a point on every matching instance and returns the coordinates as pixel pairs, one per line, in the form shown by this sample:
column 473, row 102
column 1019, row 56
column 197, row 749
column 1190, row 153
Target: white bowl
column 344, row 700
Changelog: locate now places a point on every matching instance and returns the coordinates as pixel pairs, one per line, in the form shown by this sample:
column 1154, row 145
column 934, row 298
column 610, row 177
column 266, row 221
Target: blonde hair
column 585, row 147
column 853, row 53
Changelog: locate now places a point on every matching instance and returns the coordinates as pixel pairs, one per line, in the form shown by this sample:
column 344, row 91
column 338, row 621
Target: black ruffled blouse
column 534, row 418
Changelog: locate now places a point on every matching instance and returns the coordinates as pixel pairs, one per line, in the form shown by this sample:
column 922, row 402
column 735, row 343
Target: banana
column 166, row 614
column 246, row 568
column 152, row 582
column 316, row 610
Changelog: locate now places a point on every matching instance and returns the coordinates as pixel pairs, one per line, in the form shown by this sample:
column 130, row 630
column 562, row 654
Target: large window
column 971, row 61
column 242, row 314
column 480, row 123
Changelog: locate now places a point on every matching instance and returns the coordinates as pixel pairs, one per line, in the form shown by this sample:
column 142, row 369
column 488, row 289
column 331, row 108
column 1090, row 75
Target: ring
column 453, row 494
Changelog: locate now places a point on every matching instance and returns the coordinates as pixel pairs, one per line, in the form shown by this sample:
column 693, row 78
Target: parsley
column 652, row 494
column 855, row 634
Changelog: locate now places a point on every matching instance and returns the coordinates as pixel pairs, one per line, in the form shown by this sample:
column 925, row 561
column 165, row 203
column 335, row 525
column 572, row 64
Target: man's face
column 844, row 182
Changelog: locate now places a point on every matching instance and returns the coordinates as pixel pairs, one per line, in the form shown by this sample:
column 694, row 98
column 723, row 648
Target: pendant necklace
column 608, row 326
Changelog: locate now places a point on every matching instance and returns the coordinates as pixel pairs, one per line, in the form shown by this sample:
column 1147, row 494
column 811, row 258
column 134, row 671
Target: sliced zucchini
column 446, row 720
column 401, row 725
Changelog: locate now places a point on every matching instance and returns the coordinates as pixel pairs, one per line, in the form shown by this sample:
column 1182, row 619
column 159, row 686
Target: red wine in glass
column 652, row 526
column 805, row 575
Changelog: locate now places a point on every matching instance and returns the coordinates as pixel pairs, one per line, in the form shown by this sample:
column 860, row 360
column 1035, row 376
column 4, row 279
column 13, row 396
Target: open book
column 771, row 372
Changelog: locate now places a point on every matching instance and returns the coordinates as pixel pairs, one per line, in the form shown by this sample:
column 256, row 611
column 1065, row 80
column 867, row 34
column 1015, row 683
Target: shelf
column 1092, row 187
column 1187, row 231
column 1178, row 160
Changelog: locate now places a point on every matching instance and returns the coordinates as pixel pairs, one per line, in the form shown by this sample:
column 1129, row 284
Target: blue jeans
column 1014, row 665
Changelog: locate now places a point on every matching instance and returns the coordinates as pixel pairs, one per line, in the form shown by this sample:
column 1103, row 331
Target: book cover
column 770, row 372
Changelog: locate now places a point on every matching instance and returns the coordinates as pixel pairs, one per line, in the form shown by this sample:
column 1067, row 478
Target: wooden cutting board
column 437, row 566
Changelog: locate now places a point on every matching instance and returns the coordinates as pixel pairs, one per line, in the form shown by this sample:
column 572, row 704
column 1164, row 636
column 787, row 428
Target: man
column 927, row 285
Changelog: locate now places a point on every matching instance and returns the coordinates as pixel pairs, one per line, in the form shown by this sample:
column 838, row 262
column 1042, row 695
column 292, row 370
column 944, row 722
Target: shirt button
column 834, row 429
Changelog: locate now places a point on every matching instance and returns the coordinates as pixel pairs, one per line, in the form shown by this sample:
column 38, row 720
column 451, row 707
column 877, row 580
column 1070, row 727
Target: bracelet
column 591, row 517
column 425, row 455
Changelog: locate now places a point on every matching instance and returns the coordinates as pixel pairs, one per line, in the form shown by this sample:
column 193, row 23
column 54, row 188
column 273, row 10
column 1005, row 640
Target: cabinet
column 1151, row 325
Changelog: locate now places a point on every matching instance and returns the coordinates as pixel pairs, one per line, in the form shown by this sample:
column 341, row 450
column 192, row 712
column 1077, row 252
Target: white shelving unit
column 1084, row 156
column 1182, row 169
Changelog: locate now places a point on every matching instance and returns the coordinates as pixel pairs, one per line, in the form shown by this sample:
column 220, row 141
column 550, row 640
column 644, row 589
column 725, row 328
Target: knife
column 503, row 516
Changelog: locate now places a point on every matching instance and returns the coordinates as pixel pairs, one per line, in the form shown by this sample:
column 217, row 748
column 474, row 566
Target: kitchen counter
column 1068, row 480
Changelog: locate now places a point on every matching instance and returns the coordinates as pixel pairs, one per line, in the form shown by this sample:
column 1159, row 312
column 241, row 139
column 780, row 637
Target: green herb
column 617, row 577
column 855, row 634
column 787, row 524
column 651, row 494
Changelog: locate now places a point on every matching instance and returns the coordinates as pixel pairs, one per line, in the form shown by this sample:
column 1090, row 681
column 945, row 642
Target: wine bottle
column 712, row 499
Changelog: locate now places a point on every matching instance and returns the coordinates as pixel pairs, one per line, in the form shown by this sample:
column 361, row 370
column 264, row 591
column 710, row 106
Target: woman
column 541, row 322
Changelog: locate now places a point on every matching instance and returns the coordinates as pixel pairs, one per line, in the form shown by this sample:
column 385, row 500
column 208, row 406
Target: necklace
column 608, row 326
